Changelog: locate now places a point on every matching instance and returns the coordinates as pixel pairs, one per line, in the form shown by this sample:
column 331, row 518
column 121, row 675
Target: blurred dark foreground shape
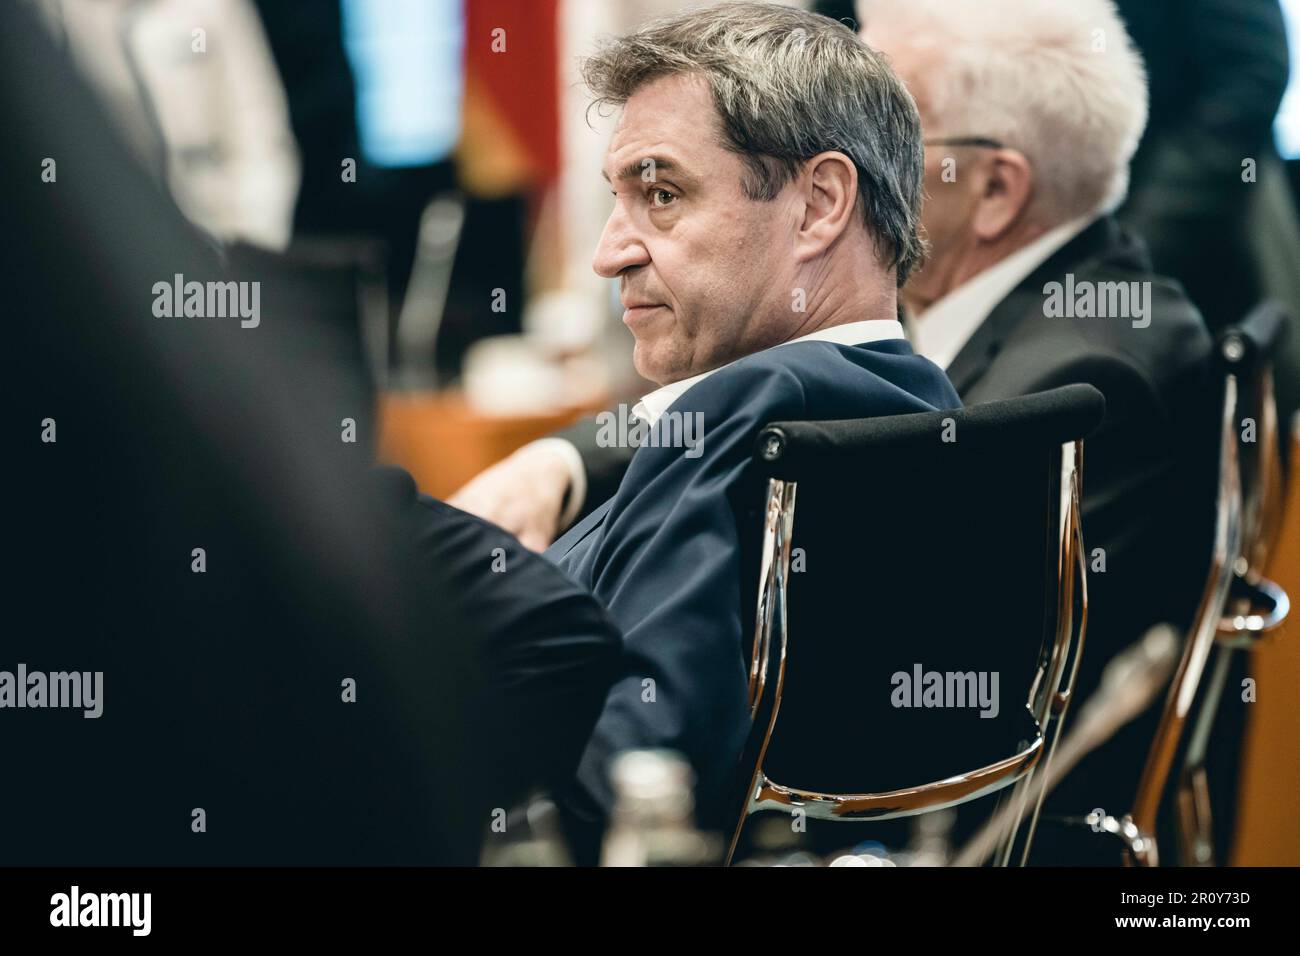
column 224, row 689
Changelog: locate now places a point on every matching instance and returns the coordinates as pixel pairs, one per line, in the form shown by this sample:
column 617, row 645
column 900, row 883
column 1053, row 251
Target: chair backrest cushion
column 921, row 584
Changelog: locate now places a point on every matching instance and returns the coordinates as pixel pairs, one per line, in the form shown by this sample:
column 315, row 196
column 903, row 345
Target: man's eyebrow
column 637, row 167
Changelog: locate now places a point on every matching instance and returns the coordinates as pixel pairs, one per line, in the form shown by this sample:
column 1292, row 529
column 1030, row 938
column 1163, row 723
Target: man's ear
column 829, row 190
column 1007, row 189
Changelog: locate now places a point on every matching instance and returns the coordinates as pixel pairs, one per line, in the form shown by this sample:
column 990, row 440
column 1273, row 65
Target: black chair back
column 921, row 544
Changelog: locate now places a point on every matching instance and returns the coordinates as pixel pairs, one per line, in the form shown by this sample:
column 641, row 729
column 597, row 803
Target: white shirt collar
column 851, row 333
column 942, row 330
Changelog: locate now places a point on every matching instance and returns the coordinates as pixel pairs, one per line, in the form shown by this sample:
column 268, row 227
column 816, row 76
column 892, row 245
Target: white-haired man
column 1031, row 112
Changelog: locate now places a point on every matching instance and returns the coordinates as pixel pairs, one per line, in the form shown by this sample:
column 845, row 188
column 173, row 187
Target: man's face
column 703, row 270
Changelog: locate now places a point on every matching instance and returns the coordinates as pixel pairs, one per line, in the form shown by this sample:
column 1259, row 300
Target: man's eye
column 661, row 197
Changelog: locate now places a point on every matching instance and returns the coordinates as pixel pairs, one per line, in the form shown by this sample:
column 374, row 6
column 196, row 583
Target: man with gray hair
column 1031, row 111
column 766, row 174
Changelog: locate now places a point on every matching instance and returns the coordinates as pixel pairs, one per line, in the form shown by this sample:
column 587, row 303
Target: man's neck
column 843, row 315
column 974, row 260
column 837, row 297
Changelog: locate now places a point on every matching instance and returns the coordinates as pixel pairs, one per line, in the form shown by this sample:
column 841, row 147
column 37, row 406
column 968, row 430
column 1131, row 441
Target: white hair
column 1059, row 81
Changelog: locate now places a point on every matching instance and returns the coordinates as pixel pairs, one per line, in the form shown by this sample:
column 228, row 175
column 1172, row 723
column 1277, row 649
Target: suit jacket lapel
column 982, row 347
column 980, row 350
column 570, row 538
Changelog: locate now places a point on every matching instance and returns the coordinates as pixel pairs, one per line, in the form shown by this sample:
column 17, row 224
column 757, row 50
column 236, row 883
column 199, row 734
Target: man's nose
column 619, row 247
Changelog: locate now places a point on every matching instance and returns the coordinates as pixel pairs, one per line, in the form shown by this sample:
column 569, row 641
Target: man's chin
column 656, row 367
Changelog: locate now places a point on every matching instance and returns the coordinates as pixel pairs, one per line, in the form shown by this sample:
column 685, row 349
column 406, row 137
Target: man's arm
column 549, row 648
column 546, row 486
column 668, row 567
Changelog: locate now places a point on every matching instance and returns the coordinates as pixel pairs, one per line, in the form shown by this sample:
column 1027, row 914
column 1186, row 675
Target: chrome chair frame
column 1047, row 701
column 1051, row 704
column 1200, row 641
column 1237, row 608
column 1254, row 608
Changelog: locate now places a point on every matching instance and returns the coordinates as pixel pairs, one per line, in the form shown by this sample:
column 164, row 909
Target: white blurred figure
column 195, row 91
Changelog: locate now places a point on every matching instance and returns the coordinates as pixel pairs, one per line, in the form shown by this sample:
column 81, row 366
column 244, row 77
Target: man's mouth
column 635, row 312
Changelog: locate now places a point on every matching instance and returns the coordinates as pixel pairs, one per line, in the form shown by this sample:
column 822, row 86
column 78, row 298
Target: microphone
column 1129, row 683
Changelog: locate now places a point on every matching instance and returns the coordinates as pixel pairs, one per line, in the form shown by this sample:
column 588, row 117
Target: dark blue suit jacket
column 664, row 556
